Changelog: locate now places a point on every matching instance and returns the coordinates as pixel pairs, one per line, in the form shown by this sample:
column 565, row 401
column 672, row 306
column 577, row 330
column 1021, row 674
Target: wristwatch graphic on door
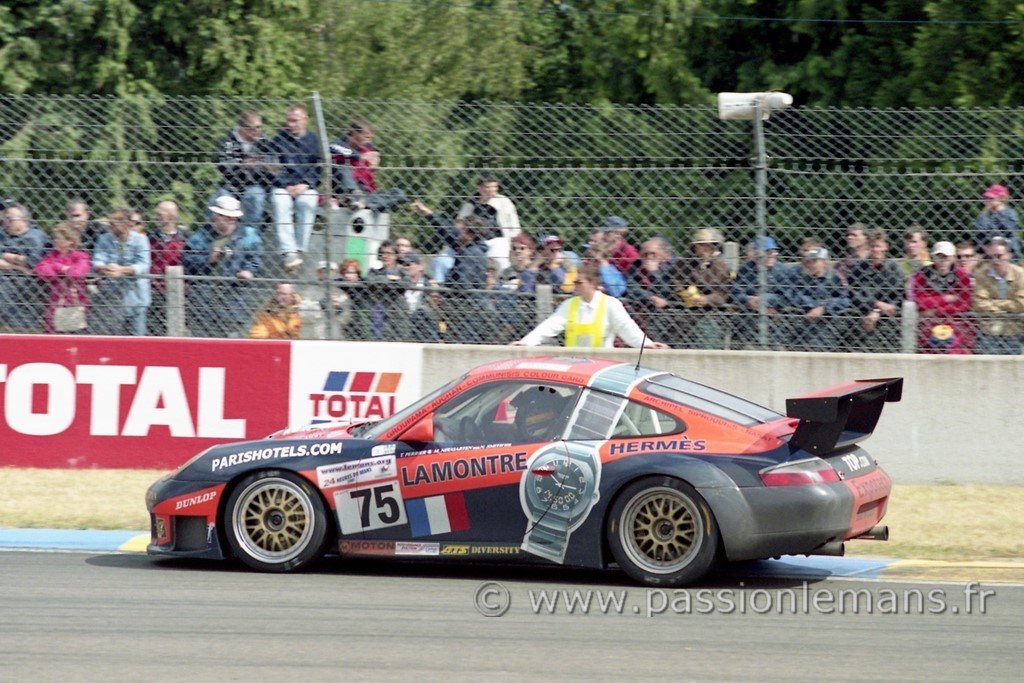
column 557, row 491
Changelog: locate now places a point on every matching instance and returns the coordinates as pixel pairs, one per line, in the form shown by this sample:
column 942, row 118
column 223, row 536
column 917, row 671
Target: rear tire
column 275, row 522
column 662, row 533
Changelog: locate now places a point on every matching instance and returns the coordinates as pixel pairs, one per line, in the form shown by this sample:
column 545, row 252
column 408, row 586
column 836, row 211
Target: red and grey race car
column 566, row 460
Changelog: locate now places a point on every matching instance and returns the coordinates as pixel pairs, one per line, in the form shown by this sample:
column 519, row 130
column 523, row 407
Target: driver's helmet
column 536, row 411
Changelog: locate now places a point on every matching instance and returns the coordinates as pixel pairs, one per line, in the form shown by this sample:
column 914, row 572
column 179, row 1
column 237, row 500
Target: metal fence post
column 328, row 197
column 174, row 279
column 908, row 327
column 761, row 218
column 545, row 303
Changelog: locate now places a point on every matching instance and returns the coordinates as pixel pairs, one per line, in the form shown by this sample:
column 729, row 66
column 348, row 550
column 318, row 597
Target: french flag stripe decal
column 437, row 514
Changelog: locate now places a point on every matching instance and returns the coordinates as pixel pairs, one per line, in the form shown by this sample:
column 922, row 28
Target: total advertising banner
column 153, row 403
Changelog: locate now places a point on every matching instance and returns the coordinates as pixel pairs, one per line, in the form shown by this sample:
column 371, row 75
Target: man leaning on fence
column 745, row 291
column 651, row 290
column 704, row 288
column 591, row 319
column 246, row 165
column 876, row 290
column 21, row 249
column 999, row 302
column 942, row 292
column 122, row 259
column 229, row 255
column 813, row 301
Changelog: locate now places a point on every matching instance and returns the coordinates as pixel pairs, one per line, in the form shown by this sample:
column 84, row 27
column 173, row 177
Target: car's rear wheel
column 275, row 522
column 661, row 532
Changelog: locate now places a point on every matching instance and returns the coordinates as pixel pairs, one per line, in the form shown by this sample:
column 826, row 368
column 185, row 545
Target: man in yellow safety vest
column 590, row 319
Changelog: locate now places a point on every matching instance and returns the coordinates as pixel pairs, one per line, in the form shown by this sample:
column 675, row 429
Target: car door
column 464, row 485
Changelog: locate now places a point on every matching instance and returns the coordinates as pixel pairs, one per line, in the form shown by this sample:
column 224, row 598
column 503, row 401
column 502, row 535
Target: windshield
column 373, row 430
column 713, row 401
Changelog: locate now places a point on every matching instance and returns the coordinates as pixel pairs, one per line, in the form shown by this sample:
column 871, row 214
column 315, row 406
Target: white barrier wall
column 958, row 422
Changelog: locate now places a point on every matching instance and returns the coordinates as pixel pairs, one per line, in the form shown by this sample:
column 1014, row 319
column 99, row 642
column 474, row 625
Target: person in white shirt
column 590, row 319
column 498, row 210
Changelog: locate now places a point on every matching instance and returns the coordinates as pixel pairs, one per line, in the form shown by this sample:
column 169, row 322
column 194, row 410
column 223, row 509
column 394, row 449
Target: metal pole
column 761, row 218
column 325, row 145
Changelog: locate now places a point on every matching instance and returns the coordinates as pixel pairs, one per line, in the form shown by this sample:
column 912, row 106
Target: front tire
column 662, row 533
column 275, row 522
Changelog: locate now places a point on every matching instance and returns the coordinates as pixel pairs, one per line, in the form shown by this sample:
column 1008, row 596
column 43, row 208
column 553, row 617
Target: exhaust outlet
column 832, row 548
column 878, row 533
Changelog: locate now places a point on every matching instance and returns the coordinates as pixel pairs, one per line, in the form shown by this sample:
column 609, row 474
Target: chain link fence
column 678, row 177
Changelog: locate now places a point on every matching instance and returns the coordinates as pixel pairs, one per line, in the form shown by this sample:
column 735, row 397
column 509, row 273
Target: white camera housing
column 740, row 106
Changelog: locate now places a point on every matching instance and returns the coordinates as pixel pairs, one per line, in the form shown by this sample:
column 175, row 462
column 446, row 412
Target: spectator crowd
column 479, row 276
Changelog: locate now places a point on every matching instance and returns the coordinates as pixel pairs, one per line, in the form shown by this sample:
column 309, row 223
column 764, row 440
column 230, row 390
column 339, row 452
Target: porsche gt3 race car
column 572, row 461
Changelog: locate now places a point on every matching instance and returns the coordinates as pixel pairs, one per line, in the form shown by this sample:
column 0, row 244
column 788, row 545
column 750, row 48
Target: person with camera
column 228, row 256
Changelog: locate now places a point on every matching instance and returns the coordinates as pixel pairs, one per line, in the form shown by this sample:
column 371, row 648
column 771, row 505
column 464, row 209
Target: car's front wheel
column 662, row 533
column 275, row 522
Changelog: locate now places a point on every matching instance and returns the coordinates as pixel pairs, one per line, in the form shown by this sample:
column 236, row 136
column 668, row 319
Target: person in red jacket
column 942, row 292
column 64, row 270
column 166, row 247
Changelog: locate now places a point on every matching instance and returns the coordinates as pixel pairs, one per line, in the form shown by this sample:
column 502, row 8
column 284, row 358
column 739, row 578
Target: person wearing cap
column 591, row 319
column 997, row 219
column 813, row 301
column 704, row 289
column 280, row 318
column 121, row 257
column 745, row 290
column 621, row 253
column 876, row 291
column 998, row 303
column 942, row 293
column 553, row 265
column 230, row 252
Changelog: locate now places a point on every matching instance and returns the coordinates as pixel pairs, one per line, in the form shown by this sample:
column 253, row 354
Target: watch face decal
column 557, row 492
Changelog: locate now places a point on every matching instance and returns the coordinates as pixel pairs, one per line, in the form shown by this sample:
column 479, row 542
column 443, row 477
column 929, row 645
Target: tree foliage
column 884, row 53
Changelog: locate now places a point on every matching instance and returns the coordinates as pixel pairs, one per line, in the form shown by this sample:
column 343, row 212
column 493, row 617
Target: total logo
column 355, row 396
column 41, row 399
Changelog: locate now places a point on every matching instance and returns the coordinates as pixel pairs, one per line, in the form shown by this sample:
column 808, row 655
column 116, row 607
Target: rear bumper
column 766, row 521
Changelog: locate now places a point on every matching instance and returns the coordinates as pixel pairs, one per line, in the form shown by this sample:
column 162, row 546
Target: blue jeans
column 293, row 219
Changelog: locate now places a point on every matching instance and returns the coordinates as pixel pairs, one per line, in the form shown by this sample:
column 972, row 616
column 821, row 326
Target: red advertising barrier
column 118, row 402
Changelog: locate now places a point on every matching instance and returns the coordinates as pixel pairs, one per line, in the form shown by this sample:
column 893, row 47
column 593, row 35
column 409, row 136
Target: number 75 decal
column 372, row 507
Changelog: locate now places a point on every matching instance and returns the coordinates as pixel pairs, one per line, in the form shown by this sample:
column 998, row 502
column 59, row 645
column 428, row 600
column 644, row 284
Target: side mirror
column 421, row 431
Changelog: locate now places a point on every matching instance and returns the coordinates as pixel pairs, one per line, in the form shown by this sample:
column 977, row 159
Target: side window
column 506, row 412
column 640, row 420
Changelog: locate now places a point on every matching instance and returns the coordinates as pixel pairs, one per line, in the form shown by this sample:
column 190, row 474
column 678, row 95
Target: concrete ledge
column 955, row 424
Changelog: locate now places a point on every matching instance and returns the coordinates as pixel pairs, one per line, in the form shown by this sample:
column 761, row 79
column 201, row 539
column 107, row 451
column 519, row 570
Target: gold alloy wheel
column 273, row 520
column 661, row 530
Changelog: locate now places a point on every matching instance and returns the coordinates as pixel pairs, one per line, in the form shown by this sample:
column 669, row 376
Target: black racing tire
column 662, row 532
column 275, row 521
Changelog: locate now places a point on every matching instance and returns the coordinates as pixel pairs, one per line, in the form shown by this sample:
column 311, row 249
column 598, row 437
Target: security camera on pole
column 756, row 107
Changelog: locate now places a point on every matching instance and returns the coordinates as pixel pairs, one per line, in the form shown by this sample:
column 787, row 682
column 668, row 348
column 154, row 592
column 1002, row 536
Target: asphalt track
column 80, row 615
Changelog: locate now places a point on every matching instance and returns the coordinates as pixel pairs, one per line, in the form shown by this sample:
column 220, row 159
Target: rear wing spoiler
column 842, row 415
